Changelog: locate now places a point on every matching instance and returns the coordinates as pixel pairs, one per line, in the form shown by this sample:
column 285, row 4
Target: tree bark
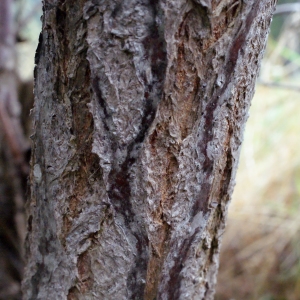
column 140, row 108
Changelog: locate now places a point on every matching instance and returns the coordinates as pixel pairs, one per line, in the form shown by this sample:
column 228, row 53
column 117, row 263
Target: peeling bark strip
column 139, row 114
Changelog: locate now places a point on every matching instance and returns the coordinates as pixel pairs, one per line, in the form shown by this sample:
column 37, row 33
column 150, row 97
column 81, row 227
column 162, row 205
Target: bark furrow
column 139, row 115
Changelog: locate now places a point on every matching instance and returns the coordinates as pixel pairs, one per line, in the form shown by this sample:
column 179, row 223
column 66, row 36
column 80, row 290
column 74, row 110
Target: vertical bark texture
column 140, row 107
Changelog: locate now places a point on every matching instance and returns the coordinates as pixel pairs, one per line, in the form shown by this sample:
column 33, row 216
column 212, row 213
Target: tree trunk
column 140, row 108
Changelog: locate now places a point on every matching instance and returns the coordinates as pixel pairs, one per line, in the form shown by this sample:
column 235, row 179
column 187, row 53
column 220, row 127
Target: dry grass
column 260, row 257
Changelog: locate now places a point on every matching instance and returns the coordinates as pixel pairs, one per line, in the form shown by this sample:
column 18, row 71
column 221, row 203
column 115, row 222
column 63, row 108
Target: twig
column 280, row 85
column 287, row 8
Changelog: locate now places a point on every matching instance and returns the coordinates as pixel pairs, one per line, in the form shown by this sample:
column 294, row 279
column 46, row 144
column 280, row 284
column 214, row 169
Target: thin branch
column 280, row 85
column 287, row 8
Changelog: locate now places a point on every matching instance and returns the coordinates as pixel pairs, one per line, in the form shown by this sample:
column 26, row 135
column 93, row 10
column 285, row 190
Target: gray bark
column 140, row 108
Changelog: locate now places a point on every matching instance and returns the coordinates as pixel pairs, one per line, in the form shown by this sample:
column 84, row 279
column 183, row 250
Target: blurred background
column 19, row 29
column 260, row 255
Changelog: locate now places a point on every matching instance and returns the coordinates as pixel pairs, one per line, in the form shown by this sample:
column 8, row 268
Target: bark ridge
column 139, row 114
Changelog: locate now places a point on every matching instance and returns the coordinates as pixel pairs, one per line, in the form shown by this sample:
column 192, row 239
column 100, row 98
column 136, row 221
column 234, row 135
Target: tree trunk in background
column 13, row 165
column 140, row 108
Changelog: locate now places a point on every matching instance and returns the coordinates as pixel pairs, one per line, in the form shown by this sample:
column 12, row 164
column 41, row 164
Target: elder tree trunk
column 140, row 108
